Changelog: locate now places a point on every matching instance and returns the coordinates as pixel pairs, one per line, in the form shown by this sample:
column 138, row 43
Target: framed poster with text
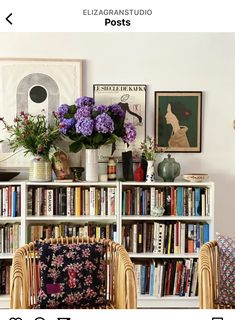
column 132, row 98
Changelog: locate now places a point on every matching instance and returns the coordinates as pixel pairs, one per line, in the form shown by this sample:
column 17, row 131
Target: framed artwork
column 132, row 98
column 31, row 85
column 178, row 120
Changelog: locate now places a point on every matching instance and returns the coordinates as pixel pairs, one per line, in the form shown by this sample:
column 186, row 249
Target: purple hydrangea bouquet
column 92, row 126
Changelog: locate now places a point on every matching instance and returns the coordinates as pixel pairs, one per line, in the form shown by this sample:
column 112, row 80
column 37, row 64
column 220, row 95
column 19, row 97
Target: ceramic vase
column 168, row 169
column 150, row 176
column 40, row 170
column 91, row 168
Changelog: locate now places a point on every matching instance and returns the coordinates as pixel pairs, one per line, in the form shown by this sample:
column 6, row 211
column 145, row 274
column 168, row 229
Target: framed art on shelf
column 32, row 85
column 178, row 120
column 132, row 99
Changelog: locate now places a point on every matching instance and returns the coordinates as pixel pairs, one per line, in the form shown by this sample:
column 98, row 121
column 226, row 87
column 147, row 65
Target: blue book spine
column 205, row 232
column 143, row 202
column 179, row 201
column 14, row 199
column 197, row 201
column 197, row 237
column 151, row 282
column 143, row 278
column 124, row 203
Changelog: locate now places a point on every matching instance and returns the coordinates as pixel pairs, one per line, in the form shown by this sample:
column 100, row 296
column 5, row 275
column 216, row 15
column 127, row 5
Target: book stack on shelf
column 164, row 238
column 108, row 231
column 176, row 200
column 5, row 270
column 71, row 201
column 167, row 277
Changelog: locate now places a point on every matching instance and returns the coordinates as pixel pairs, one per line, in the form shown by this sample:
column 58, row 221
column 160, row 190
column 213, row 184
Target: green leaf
column 98, row 139
column 75, row 146
column 111, row 139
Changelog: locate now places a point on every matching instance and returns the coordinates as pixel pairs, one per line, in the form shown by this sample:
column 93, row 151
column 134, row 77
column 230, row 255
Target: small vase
column 92, row 165
column 168, row 169
column 150, row 176
column 40, row 170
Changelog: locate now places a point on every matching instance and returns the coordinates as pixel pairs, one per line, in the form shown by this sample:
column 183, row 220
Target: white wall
column 163, row 61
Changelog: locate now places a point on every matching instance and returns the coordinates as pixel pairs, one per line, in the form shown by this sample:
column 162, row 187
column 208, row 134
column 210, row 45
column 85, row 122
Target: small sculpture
column 139, row 173
column 60, row 165
column 158, row 211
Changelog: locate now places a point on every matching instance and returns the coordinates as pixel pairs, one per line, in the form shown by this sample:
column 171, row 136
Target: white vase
column 91, row 165
column 40, row 170
column 150, row 176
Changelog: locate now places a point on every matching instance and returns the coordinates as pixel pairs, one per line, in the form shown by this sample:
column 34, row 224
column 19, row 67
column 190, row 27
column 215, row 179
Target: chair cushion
column 71, row 275
column 227, row 270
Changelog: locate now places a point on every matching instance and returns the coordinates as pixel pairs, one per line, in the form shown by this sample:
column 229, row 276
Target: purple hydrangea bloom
column 83, row 112
column 104, row 123
column 101, row 108
column 62, row 110
column 84, row 101
column 130, row 133
column 85, row 126
column 66, row 124
column 117, row 110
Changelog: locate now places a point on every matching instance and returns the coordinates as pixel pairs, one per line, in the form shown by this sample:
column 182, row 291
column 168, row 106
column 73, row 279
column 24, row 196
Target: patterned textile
column 227, row 270
column 71, row 275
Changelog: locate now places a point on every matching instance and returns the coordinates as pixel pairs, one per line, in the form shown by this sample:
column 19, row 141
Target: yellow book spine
column 78, row 201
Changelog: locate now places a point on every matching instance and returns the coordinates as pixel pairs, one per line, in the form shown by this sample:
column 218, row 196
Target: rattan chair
column 122, row 290
column 208, row 276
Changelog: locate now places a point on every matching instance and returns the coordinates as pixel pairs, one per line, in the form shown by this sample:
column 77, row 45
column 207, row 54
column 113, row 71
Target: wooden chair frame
column 121, row 288
column 208, row 276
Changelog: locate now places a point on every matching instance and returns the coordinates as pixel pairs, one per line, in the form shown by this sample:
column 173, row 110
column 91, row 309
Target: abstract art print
column 132, row 99
column 178, row 120
column 33, row 85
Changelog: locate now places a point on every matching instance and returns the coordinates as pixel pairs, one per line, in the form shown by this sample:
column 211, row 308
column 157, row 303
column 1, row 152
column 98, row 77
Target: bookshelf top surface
column 82, row 183
column 109, row 183
column 176, row 183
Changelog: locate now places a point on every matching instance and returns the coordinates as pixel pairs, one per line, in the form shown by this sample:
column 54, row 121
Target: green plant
column 33, row 133
column 149, row 148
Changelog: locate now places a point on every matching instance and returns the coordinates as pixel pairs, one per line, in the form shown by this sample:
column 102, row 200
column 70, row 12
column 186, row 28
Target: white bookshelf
column 144, row 301
column 168, row 301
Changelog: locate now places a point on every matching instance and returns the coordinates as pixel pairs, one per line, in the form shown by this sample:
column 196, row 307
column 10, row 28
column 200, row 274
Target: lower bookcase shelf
column 146, row 301
column 5, row 301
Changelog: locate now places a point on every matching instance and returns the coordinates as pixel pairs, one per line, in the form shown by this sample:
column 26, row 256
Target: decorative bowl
column 195, row 177
column 6, row 176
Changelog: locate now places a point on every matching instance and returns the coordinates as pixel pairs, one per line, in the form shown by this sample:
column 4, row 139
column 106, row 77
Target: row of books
column 176, row 201
column 9, row 237
column 5, row 269
column 164, row 238
column 10, row 201
column 169, row 277
column 68, row 201
column 107, row 231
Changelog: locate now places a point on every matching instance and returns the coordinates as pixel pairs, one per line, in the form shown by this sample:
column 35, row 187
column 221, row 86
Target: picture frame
column 132, row 98
column 178, row 120
column 31, row 85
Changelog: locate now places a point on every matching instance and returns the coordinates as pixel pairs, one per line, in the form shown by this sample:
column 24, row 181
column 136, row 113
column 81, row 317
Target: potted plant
column 91, row 126
column 37, row 138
